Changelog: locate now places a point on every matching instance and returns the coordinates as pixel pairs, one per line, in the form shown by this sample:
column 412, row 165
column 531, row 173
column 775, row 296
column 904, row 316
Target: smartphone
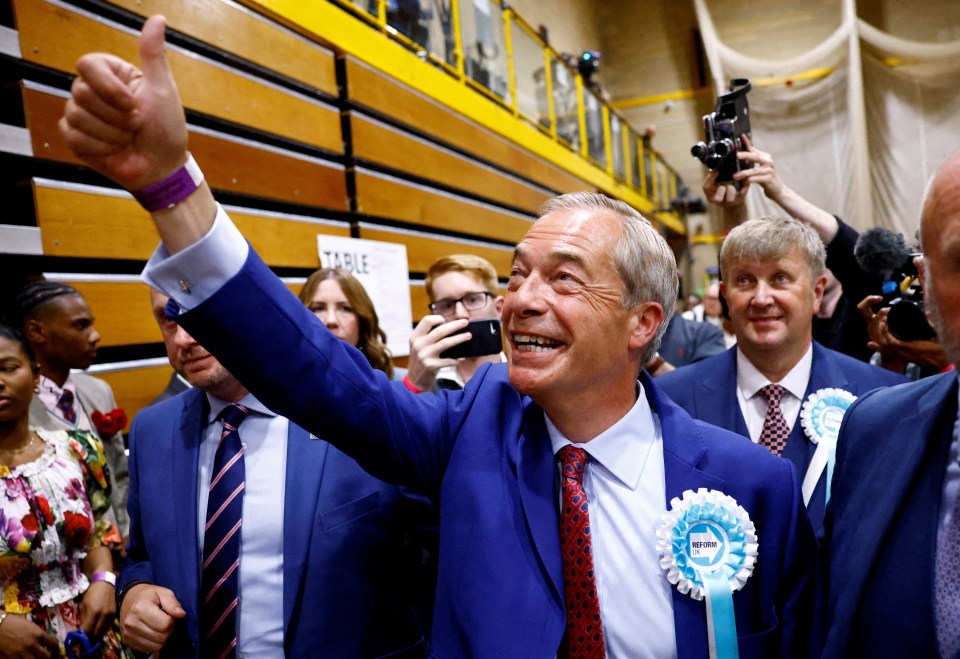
column 485, row 340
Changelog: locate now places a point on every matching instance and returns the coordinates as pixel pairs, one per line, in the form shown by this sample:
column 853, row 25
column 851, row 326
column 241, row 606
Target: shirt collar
column 249, row 401
column 750, row 380
column 50, row 386
column 621, row 449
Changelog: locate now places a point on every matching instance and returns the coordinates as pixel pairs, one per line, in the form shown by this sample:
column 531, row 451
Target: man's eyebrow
column 556, row 256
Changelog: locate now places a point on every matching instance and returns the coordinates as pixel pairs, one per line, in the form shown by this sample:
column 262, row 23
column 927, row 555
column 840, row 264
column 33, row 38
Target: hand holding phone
column 485, row 339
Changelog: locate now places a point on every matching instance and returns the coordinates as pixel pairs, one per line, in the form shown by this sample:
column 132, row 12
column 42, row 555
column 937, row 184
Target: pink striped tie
column 219, row 608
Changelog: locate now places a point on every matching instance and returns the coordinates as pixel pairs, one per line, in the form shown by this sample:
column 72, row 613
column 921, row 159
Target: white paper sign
column 382, row 269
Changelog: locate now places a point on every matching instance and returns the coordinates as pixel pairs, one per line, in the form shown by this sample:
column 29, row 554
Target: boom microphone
column 881, row 252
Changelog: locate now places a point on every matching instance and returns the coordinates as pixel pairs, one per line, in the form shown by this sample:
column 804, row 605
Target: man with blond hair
column 771, row 384
column 461, row 288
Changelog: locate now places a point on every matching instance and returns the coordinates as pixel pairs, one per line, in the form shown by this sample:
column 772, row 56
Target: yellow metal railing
column 492, row 50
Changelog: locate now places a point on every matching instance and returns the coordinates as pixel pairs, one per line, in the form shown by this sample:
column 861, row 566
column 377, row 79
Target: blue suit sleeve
column 289, row 360
column 136, row 567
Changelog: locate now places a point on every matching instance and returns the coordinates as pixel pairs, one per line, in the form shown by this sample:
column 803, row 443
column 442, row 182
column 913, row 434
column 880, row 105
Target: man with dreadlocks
column 58, row 323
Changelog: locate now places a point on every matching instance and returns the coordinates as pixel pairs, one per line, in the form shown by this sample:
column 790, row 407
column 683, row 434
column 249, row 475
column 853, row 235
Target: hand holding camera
column 723, row 130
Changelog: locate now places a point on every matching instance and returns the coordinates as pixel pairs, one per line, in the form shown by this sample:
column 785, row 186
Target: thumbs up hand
column 126, row 123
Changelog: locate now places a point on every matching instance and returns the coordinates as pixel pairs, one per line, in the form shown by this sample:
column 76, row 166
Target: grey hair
column 770, row 238
column 641, row 257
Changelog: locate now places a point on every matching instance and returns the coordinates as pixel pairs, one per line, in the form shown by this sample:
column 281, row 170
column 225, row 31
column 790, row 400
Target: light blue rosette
column 708, row 548
column 820, row 417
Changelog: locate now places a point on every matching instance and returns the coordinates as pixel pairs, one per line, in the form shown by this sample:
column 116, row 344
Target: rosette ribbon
column 820, row 417
column 708, row 549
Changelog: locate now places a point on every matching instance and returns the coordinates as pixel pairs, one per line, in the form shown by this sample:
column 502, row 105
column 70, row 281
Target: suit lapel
column 306, row 457
column 86, row 402
column 717, row 396
column 185, row 466
column 683, row 453
column 823, row 374
column 537, row 476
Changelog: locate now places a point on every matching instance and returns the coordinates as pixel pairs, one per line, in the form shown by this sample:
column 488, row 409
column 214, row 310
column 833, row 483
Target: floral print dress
column 50, row 516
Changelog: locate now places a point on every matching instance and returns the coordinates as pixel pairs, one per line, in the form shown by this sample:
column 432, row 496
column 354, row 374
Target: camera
column 906, row 319
column 723, row 130
column 887, row 255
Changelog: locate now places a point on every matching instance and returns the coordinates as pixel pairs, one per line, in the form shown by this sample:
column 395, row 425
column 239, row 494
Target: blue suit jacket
column 346, row 585
column 707, row 390
column 881, row 526
column 485, row 454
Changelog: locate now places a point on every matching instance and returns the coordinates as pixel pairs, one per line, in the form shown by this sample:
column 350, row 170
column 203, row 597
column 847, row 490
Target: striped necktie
column 221, row 542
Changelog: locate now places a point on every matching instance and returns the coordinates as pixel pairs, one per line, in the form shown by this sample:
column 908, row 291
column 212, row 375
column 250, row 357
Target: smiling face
column 570, row 338
column 17, row 380
column 771, row 304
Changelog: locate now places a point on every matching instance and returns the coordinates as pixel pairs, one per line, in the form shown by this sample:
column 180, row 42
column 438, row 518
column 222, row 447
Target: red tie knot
column 573, row 459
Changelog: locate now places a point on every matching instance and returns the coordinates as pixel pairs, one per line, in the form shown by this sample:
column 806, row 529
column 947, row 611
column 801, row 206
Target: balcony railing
column 493, row 50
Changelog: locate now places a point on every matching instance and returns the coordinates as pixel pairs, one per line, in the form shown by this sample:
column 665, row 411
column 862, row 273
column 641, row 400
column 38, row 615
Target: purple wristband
column 168, row 192
column 109, row 577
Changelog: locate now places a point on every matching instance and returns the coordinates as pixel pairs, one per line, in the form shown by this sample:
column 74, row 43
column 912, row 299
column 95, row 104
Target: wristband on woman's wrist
column 170, row 191
column 109, row 577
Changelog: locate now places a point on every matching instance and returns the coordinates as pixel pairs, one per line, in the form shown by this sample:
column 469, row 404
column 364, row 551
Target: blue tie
column 221, row 542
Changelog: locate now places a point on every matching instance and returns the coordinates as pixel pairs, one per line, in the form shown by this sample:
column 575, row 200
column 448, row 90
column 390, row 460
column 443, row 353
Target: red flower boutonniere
column 111, row 423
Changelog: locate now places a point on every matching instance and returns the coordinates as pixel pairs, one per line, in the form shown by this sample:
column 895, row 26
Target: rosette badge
column 821, row 416
column 708, row 548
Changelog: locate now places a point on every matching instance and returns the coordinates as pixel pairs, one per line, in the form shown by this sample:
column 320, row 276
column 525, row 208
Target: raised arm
column 129, row 125
column 764, row 173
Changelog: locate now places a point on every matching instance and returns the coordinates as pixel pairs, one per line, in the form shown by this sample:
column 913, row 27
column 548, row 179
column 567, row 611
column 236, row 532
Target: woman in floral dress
column 55, row 571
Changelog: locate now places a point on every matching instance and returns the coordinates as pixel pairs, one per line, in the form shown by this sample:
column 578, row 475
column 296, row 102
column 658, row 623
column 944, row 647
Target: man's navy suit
column 880, row 531
column 346, row 585
column 485, row 454
column 707, row 390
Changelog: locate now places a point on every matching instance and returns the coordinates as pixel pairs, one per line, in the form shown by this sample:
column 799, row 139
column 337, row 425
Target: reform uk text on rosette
column 708, row 549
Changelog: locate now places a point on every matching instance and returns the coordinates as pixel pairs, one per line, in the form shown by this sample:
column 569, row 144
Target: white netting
column 861, row 140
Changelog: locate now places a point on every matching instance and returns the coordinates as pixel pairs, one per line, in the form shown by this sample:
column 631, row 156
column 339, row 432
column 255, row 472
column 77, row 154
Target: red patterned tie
column 775, row 430
column 584, row 635
column 221, row 542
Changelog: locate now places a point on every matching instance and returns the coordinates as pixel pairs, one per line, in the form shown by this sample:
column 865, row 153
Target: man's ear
column 498, row 304
column 645, row 320
column 818, row 288
column 33, row 331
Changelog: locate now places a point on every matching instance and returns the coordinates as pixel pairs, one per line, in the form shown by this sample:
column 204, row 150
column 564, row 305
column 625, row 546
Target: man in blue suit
column 591, row 286
column 333, row 575
column 892, row 532
column 773, row 282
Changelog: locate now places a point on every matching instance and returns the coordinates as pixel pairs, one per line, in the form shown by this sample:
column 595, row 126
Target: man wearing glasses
column 461, row 287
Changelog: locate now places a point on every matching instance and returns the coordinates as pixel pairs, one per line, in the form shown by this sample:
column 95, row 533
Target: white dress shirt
column 625, row 484
column 264, row 438
column 752, row 403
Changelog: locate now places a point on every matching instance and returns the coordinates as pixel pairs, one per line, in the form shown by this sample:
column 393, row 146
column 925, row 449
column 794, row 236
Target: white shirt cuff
column 194, row 274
